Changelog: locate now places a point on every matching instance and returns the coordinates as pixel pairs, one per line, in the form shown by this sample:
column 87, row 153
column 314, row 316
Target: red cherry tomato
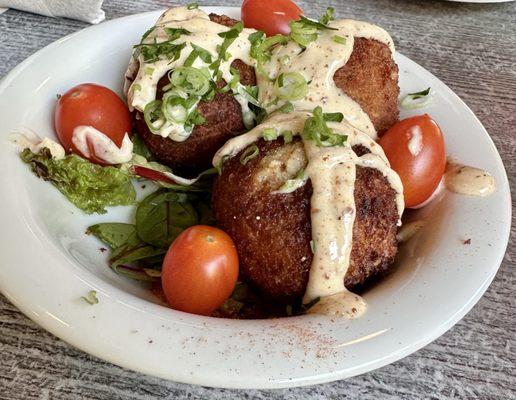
column 91, row 105
column 272, row 17
column 200, row 270
column 415, row 150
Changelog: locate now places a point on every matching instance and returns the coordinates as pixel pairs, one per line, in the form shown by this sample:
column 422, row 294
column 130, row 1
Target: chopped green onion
column 91, row 298
column 287, row 136
column 152, row 52
column 291, row 185
column 312, row 246
column 149, row 70
column 333, row 117
column 250, row 93
column 271, row 103
column 339, row 39
column 220, row 164
column 320, row 25
column 316, row 129
column 418, row 95
column 291, row 86
column 286, row 108
column 327, row 17
column 175, row 33
column 269, row 134
column 195, row 118
column 174, row 109
column 136, row 87
column 305, row 31
column 229, row 37
column 417, row 100
column 147, row 33
column 261, row 48
column 191, row 80
column 284, row 60
column 249, row 153
column 153, row 115
column 233, row 83
column 197, row 51
column 192, row 6
column 301, row 33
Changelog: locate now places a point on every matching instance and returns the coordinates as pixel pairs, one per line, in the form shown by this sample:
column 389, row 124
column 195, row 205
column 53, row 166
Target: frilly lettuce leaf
column 88, row 186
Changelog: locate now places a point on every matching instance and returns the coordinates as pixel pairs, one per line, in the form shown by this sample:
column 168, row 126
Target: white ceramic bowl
column 47, row 262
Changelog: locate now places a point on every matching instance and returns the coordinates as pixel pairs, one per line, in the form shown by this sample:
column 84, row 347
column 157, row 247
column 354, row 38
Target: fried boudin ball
column 370, row 77
column 272, row 232
column 223, row 121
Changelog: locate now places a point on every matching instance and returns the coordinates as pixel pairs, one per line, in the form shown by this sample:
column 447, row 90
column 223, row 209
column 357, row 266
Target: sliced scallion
column 287, row 136
column 269, row 134
column 261, row 48
column 291, row 86
column 174, row 109
column 284, row 60
column 249, row 153
column 220, row 164
column 327, row 17
column 317, row 129
column 286, row 108
column 305, row 31
column 191, row 80
column 333, row 117
column 417, row 100
column 250, row 93
column 153, row 115
column 302, row 34
column 197, row 51
column 339, row 39
column 91, row 298
column 291, row 185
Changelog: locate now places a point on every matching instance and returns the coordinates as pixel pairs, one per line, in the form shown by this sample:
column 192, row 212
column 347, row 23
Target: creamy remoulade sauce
column 470, row 181
column 332, row 172
column 317, row 63
column 35, row 144
column 84, row 136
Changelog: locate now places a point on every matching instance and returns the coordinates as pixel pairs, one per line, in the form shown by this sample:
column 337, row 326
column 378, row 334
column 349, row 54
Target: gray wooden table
column 472, row 48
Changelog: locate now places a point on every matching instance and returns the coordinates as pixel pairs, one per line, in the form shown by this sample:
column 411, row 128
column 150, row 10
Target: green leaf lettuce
column 88, row 186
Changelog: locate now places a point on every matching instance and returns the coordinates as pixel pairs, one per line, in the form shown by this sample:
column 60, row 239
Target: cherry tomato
column 415, row 150
column 272, row 17
column 200, row 270
column 91, row 105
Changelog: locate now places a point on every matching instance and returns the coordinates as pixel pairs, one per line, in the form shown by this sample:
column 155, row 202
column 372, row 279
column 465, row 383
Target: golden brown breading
column 370, row 77
column 272, row 232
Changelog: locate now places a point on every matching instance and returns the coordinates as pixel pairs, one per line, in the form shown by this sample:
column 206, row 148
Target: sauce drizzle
column 466, row 180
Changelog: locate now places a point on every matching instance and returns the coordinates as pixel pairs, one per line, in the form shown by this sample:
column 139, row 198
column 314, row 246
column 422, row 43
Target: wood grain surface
column 472, row 48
